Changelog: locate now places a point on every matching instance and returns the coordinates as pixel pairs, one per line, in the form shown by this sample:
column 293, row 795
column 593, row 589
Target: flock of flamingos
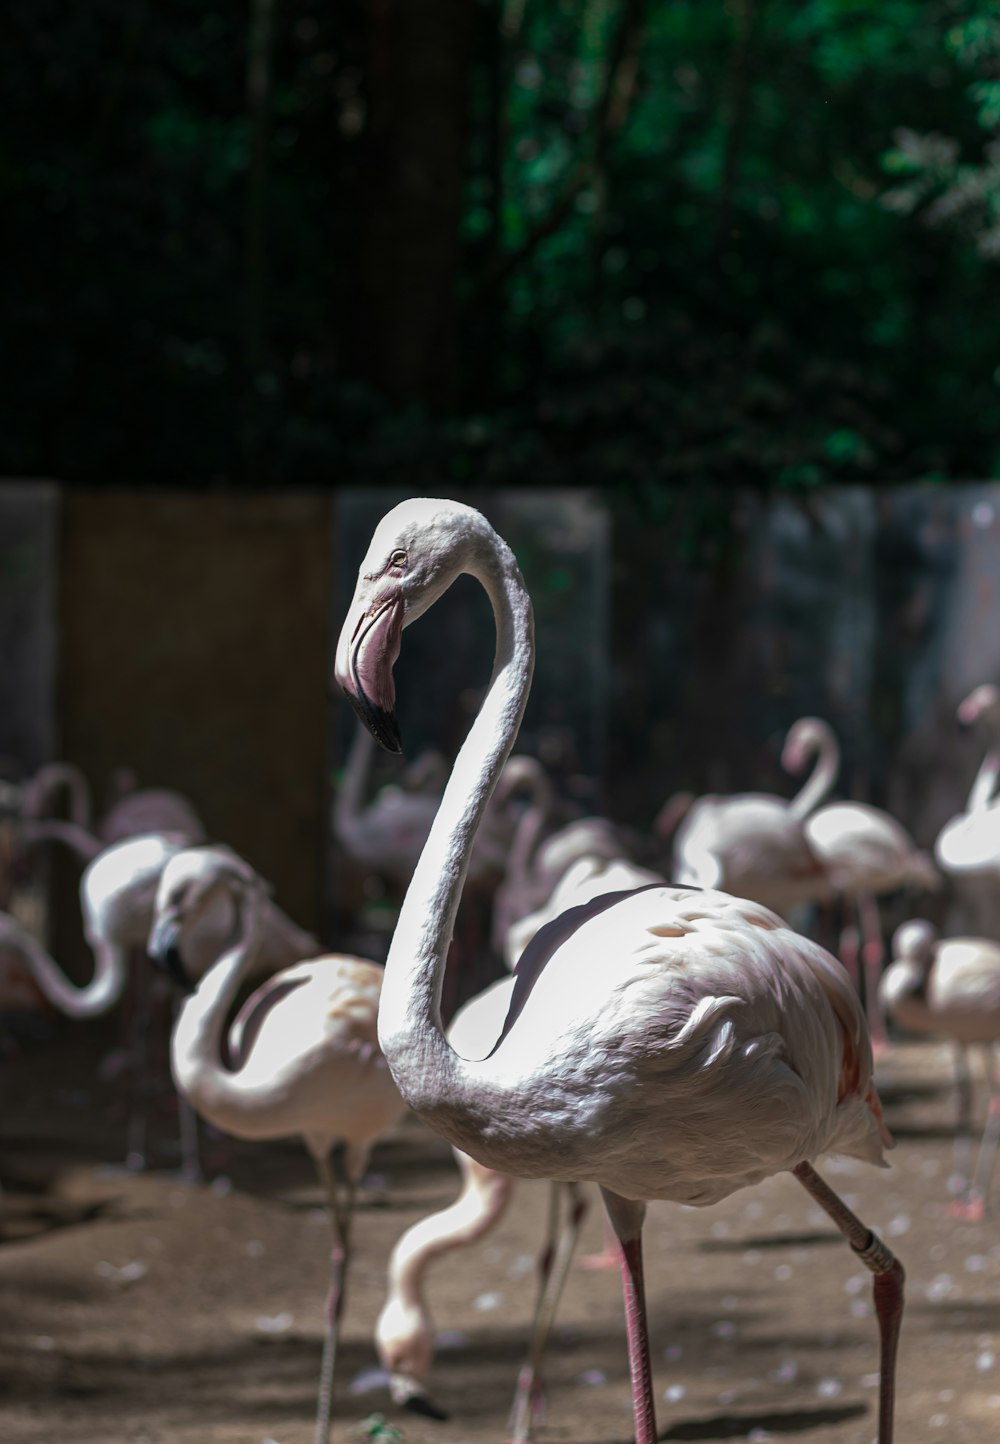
column 663, row 1039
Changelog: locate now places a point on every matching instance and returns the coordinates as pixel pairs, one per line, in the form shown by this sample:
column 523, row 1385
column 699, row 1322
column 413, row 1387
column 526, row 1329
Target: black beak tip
column 426, row 1408
column 170, row 962
column 380, row 723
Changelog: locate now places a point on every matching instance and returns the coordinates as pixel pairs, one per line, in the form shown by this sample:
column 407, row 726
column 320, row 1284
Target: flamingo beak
column 366, row 653
column 408, row 1394
column 163, row 948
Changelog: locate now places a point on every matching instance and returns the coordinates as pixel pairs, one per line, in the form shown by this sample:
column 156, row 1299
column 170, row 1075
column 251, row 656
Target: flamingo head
column 915, row 941
column 805, row 737
column 417, row 551
column 192, row 883
column 982, row 702
column 404, row 1339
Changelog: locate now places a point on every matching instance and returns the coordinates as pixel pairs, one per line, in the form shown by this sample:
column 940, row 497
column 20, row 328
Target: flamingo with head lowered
column 664, row 1043
column 969, row 844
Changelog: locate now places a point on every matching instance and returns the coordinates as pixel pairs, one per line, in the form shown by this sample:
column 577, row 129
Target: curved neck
column 428, row 1072
column 100, row 994
column 532, row 824
column 63, row 774
column 348, row 802
column 57, row 829
column 196, row 1047
column 985, row 784
column 903, row 995
column 822, row 778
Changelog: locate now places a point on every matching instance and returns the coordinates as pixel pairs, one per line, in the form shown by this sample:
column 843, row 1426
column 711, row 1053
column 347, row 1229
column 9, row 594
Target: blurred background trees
column 544, row 241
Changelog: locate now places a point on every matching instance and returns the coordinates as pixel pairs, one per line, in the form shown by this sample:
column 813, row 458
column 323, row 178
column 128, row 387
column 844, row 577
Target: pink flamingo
column 404, row 1330
column 969, row 844
column 665, row 1043
column 135, row 811
column 303, row 1050
column 950, row 988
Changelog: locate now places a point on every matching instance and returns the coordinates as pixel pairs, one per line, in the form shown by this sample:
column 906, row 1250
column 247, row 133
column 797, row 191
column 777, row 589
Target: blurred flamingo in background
column 300, row 1058
column 969, row 844
column 950, row 988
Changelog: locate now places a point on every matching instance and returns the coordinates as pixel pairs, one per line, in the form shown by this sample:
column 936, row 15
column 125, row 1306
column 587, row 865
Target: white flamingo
column 305, row 1059
column 950, row 988
column 969, row 844
column 864, row 852
column 404, row 1330
column 753, row 844
column 668, row 1044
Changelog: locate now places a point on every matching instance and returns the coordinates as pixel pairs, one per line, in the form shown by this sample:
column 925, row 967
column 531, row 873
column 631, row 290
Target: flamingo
column 404, row 1330
column 864, row 852
column 665, row 1043
column 950, row 988
column 753, row 844
column 536, row 863
column 969, row 844
column 304, row 1054
column 134, row 811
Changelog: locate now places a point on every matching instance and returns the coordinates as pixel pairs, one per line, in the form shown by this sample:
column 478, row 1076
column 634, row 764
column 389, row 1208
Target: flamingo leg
column 973, row 1206
column 339, row 1187
column 626, row 1219
column 555, row 1260
column 850, row 947
column 139, row 1081
column 958, row 1183
column 872, row 958
column 888, row 1287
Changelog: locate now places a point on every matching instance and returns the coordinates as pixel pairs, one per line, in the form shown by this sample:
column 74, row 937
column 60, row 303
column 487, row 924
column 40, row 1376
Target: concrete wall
column 194, row 641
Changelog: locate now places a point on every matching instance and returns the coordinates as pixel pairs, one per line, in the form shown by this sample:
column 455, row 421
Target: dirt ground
column 146, row 1310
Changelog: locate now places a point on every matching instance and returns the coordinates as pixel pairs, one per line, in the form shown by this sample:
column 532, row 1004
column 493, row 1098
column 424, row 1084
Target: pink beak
column 367, row 650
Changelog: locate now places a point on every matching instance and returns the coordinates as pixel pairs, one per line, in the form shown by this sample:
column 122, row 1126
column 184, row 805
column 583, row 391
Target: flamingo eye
column 398, row 559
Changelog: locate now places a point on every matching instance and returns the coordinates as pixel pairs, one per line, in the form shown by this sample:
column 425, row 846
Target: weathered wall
column 194, row 636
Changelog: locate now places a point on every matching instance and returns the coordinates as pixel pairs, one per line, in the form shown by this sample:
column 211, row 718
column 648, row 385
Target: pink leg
column 626, row 1220
column 849, row 954
column 872, row 957
column 888, row 1287
column 554, row 1267
column 339, row 1189
column 608, row 1258
column 973, row 1207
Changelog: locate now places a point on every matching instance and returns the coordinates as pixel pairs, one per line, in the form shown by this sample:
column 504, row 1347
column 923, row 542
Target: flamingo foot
column 608, row 1258
column 969, row 1210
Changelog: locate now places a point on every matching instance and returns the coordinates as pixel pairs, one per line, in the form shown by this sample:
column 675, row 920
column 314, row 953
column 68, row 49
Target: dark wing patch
column 250, row 1019
column 547, row 940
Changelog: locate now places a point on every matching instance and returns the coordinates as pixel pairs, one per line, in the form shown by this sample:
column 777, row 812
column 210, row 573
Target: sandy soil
column 146, row 1310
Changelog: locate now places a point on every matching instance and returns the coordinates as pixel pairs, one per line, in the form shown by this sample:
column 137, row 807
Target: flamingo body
column 864, row 850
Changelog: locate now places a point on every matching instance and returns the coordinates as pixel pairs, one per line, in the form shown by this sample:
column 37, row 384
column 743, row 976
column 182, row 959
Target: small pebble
column 829, row 1388
column 938, row 1421
column 783, row 1272
column 899, row 1225
column 274, row 1323
column 870, row 1381
column 855, row 1284
column 483, row 1303
column 785, row 1373
column 592, row 1378
column 985, row 1361
column 674, row 1393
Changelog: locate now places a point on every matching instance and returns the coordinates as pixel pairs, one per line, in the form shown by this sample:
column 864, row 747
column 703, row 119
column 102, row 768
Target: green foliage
column 727, row 287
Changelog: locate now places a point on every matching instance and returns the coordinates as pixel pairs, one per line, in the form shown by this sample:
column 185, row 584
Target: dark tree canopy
column 539, row 241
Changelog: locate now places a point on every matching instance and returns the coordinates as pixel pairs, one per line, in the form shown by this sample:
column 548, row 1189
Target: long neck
column 72, row 834
column 903, row 995
column 426, row 1069
column 100, row 994
column 822, row 778
column 350, row 796
column 196, row 1047
column 63, row 774
column 986, row 782
column 532, row 824
column 282, row 941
